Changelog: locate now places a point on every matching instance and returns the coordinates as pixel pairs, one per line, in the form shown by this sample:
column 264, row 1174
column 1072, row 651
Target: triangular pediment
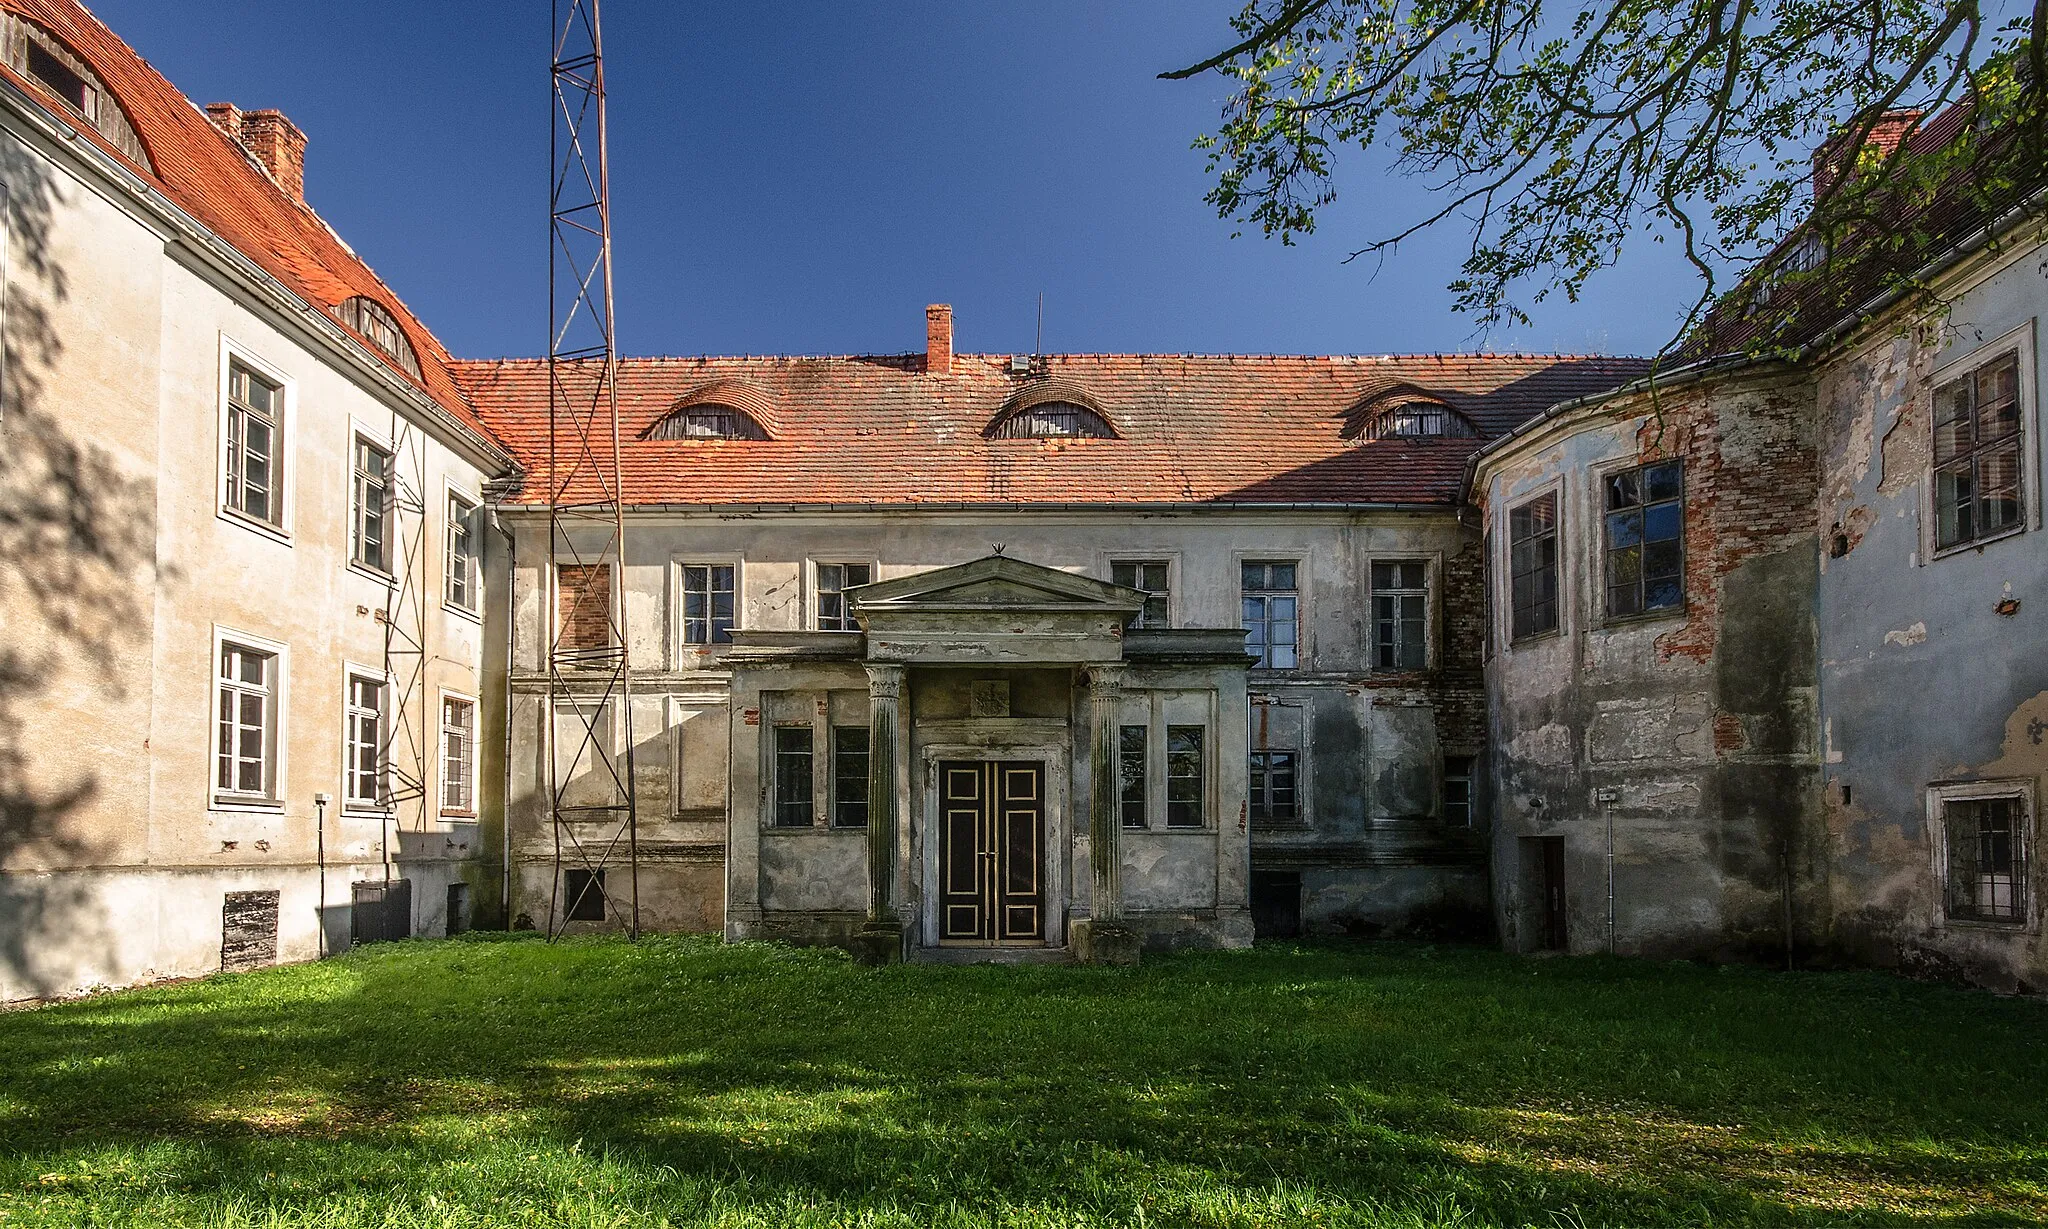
column 996, row 582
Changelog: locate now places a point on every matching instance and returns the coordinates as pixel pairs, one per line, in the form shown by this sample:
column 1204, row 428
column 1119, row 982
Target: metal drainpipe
column 505, row 795
column 320, row 859
column 1601, row 798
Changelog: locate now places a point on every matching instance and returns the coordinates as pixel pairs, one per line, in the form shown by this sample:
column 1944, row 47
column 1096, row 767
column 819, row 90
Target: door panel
column 991, row 854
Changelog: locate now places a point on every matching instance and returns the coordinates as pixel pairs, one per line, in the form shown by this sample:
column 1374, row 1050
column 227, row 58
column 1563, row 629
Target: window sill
column 1534, row 638
column 1618, row 623
column 247, row 806
column 1976, row 544
column 364, row 570
column 275, row 533
column 460, row 817
column 364, row 810
column 2018, row 926
column 463, row 612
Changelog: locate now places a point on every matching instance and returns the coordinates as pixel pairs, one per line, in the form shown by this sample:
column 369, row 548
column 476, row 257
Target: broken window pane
column 1400, row 601
column 1130, row 768
column 1978, row 480
column 1644, row 528
column 1269, row 613
column 1184, row 776
column 1532, row 567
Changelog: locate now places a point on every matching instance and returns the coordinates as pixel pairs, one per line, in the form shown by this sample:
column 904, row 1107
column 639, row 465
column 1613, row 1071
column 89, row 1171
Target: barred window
column 1150, row 576
column 458, row 756
column 1987, row 858
column 834, row 579
column 1270, row 613
column 1977, row 454
column 794, row 794
column 849, row 776
column 1532, row 567
column 1130, row 773
column 1400, row 609
column 1272, row 787
column 1645, row 528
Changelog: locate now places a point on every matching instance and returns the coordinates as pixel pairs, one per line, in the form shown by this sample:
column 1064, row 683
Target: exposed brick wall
column 583, row 605
column 1458, row 691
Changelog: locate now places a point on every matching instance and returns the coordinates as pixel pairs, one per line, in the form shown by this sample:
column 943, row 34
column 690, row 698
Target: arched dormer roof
column 378, row 325
column 720, row 410
column 1053, row 408
column 1399, row 409
column 40, row 56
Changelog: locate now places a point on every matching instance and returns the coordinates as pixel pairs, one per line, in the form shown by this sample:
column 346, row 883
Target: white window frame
column 1298, row 556
column 361, row 434
column 813, row 593
column 285, row 471
column 1939, row 795
column 1173, row 573
column 684, row 650
column 441, row 699
column 450, row 494
column 2020, row 339
column 271, row 801
column 1432, row 568
column 351, row 671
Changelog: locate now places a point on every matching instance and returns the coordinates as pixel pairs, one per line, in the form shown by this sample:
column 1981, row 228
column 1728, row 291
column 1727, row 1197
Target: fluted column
column 1105, row 824
column 885, row 690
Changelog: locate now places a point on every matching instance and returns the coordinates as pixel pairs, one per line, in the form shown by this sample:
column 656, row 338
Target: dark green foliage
column 677, row 1081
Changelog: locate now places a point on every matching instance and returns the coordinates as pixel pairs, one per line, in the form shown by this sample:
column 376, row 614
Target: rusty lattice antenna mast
column 590, row 680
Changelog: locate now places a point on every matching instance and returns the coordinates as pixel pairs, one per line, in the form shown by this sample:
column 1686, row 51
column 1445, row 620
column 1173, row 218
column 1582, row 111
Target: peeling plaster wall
column 1923, row 680
column 1691, row 732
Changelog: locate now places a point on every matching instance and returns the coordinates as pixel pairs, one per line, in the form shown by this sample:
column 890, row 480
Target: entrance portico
column 1004, row 708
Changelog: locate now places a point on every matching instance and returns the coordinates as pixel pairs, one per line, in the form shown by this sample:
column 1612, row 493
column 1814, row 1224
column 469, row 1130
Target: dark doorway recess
column 1276, row 904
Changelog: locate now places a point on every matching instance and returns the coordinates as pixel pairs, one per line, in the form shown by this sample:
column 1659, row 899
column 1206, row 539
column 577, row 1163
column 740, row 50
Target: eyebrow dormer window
column 707, row 422
column 1417, row 420
column 376, row 325
column 1054, row 420
column 41, row 57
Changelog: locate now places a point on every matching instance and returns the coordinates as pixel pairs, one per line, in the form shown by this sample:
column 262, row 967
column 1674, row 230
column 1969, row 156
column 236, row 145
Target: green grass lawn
column 495, row 1081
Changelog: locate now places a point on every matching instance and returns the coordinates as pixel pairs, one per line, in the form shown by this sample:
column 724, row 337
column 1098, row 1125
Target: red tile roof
column 1195, row 429
column 207, row 175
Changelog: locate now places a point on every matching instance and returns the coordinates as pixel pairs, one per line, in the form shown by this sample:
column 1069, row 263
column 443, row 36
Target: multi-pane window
column 1987, row 858
column 1458, row 790
column 1184, row 776
column 707, row 422
column 1645, row 520
column 1270, row 611
column 849, row 776
column 793, row 789
column 707, row 604
column 1054, row 420
column 585, row 892
column 362, row 774
column 458, row 755
column 1130, row 774
column 834, row 579
column 245, row 746
column 1977, row 457
column 461, row 565
column 1272, row 787
column 1400, row 615
column 1149, row 576
column 255, row 486
column 1532, row 567
column 370, row 535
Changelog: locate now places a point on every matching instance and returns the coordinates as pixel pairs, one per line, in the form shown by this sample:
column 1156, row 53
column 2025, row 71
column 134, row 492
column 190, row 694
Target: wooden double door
column 991, row 851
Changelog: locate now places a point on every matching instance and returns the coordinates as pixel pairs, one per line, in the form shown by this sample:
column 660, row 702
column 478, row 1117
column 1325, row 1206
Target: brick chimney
column 275, row 142
column 938, row 339
column 1892, row 128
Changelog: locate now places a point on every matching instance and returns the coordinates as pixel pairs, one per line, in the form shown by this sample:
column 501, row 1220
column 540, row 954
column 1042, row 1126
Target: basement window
column 1977, row 454
column 1645, row 537
column 1985, row 848
column 584, row 890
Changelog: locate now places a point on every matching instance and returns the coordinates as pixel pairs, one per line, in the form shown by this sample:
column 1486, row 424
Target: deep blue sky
column 804, row 177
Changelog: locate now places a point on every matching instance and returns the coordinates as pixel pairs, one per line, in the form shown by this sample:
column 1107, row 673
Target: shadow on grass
column 1386, row 1084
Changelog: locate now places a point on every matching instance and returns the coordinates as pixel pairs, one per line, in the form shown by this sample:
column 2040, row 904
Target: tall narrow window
column 1270, row 613
column 1645, row 527
column 1130, row 774
column 1977, row 456
column 849, row 776
column 1400, row 615
column 707, row 604
column 245, row 748
column 1532, row 567
column 834, row 579
column 1987, row 859
column 1150, row 577
column 1272, row 787
column 458, row 756
column 362, row 777
column 370, row 537
column 461, row 565
column 255, row 486
column 1458, row 790
column 1184, row 776
column 794, row 792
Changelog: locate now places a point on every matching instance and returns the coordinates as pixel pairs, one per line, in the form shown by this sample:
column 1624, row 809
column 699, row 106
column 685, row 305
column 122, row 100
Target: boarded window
column 849, row 776
column 1400, row 615
column 1987, row 858
column 1977, row 454
column 1532, row 567
column 1150, row 576
column 248, row 930
column 1272, row 787
column 1184, row 777
column 1270, row 614
column 794, row 791
column 708, row 604
column 1645, row 533
column 1130, row 774
column 583, row 596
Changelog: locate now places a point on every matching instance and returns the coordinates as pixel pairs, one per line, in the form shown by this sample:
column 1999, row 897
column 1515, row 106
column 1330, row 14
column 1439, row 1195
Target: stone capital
column 885, row 680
